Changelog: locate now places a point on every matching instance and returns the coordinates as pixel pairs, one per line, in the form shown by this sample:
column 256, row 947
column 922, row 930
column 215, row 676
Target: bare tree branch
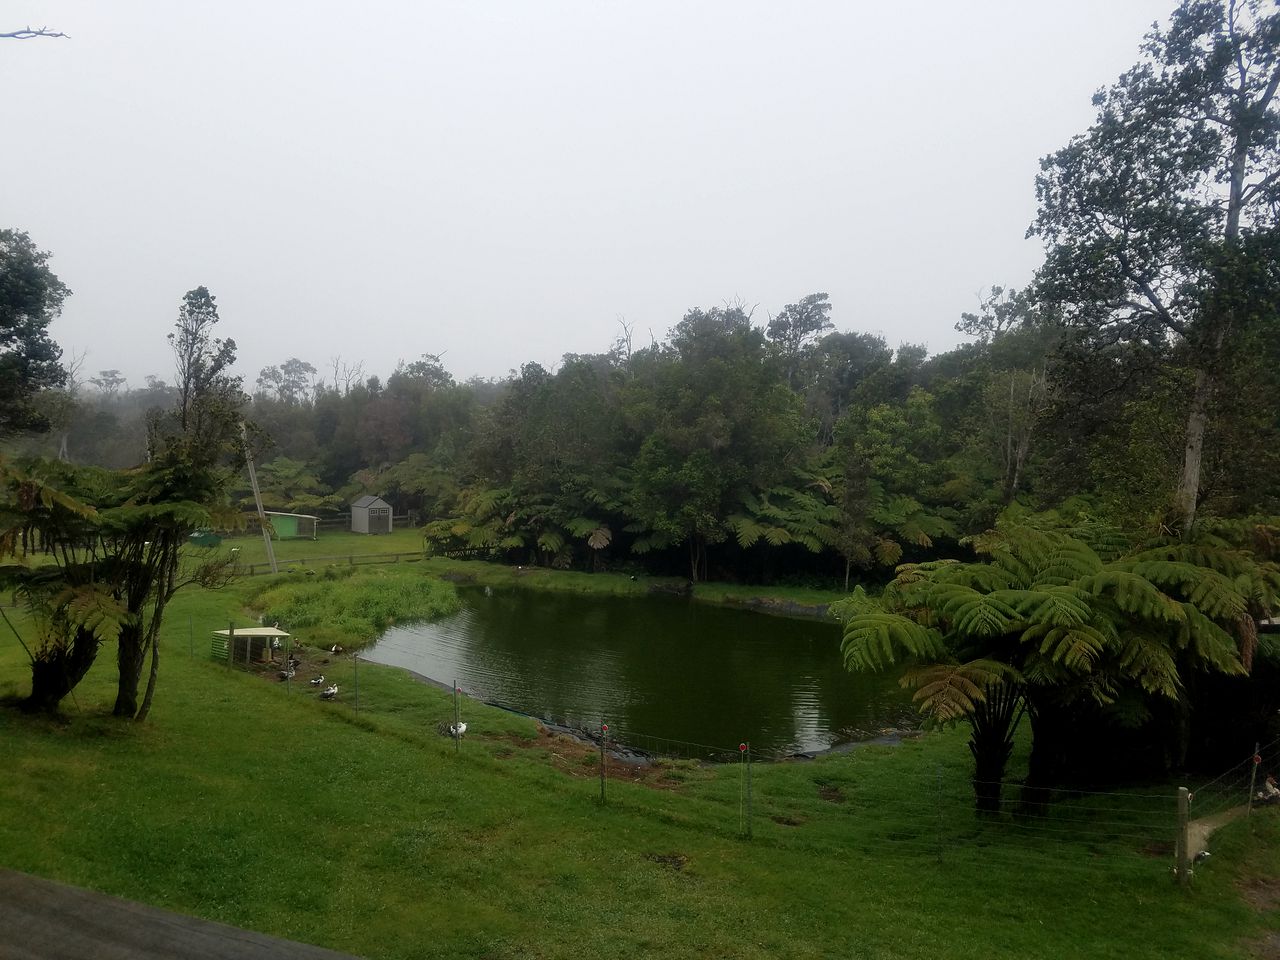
column 27, row 33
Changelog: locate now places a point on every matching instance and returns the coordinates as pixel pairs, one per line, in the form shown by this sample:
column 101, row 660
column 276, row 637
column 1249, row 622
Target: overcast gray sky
column 500, row 181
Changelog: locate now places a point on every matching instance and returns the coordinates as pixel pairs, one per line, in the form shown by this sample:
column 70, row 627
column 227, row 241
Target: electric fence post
column 748, row 789
column 1253, row 776
column 940, row 825
column 604, row 736
column 1183, row 854
column 457, row 719
column 355, row 667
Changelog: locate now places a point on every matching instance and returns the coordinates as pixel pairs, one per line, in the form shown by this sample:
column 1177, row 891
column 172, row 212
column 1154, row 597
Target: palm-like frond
column 1132, row 593
column 952, row 691
column 93, row 608
column 1208, row 642
column 1075, row 647
column 876, row 640
column 1146, row 659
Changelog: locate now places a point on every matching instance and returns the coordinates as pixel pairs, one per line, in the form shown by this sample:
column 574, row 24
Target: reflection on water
column 661, row 666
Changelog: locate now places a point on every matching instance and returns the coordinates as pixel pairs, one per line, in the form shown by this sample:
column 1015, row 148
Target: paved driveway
column 43, row 920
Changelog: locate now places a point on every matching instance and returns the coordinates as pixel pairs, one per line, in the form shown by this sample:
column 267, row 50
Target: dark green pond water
column 654, row 668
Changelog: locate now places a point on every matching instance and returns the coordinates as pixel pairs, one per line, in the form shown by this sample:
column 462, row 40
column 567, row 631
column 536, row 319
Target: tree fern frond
column 94, row 608
column 1076, row 647
column 551, row 541
column 1132, row 593
column 1148, row 661
column 1059, row 606
column 1208, row 642
column 581, row 526
column 856, row 603
column 952, row 691
column 887, row 552
column 876, row 640
column 745, row 529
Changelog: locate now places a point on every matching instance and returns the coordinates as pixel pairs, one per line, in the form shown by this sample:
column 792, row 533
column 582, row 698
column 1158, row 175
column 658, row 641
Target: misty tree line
column 737, row 447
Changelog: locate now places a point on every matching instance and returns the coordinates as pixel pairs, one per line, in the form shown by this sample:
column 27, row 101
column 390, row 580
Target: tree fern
column 1066, row 624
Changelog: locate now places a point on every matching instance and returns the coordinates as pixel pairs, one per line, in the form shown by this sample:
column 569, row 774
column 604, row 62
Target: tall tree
column 795, row 328
column 202, row 361
column 30, row 297
column 185, row 483
column 1160, row 219
column 290, row 382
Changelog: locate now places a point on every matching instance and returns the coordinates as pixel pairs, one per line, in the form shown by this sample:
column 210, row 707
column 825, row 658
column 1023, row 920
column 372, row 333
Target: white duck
column 316, row 681
column 457, row 729
column 329, row 693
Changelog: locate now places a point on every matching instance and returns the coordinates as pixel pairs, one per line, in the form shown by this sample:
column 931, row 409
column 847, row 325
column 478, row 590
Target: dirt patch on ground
column 581, row 760
column 787, row 821
column 678, row 588
column 830, row 793
column 1261, row 893
column 454, row 577
column 672, row 861
column 1264, row 948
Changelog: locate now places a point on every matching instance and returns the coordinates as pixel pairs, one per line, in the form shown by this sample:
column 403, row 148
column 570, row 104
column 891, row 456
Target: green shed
column 292, row 526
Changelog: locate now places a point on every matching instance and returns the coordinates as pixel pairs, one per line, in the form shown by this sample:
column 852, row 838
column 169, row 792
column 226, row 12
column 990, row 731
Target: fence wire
column 925, row 813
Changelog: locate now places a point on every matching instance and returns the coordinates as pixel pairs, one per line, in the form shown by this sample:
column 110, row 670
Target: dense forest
column 739, row 447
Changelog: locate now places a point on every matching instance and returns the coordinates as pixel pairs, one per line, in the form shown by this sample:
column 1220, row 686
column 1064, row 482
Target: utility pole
column 257, row 499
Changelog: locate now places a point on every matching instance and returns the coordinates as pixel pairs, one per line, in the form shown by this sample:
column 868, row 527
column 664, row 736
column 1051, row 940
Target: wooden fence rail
column 351, row 559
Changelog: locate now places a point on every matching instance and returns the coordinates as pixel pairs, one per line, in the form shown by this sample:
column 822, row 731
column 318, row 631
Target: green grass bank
column 335, row 550
column 249, row 802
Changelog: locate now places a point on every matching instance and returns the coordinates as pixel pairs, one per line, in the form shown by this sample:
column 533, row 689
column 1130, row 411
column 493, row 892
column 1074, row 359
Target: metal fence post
column 742, row 789
column 1253, row 776
column 1183, row 842
column 940, row 824
column 457, row 719
column 604, row 736
column 355, row 666
column 748, row 790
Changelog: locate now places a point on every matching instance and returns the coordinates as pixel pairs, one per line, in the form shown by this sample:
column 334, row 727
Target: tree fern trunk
column 151, row 680
column 991, row 743
column 55, row 672
column 1051, row 741
column 131, row 657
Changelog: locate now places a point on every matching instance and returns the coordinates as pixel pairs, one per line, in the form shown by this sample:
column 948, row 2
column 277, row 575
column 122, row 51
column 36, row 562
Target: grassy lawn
column 246, row 802
column 319, row 554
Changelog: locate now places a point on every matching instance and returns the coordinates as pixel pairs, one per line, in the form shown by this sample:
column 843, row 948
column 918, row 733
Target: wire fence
column 927, row 812
column 309, row 565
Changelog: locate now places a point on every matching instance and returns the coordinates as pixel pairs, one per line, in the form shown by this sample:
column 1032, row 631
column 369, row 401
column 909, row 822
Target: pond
column 655, row 669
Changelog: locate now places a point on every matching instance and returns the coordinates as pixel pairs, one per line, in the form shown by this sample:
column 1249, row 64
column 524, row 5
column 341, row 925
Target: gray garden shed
column 370, row 514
